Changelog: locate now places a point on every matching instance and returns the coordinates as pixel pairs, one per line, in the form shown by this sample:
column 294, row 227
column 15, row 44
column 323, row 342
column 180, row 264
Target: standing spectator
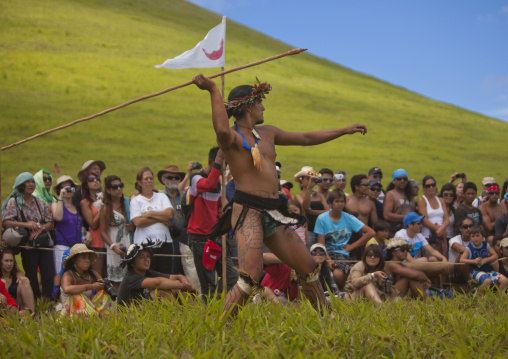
column 375, row 174
column 460, row 194
column 340, row 181
column 324, row 186
column 205, row 198
column 90, row 206
column 459, row 243
column 435, row 220
column 151, row 213
column 398, row 200
column 501, row 225
column 22, row 209
column 16, row 283
column 448, row 194
column 504, row 190
column 375, row 189
column 422, row 250
column 68, row 222
column 286, row 186
column 115, row 227
column 486, row 183
column 296, row 207
column 171, row 177
column 415, row 189
column 491, row 209
column 467, row 209
column 334, row 230
column 43, row 183
column 358, row 204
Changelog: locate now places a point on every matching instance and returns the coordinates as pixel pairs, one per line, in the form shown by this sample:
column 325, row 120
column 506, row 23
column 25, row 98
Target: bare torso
column 359, row 207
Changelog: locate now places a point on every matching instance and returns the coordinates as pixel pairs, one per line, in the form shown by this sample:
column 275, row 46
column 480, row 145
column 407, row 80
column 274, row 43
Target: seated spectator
column 22, row 209
column 140, row 282
column 82, row 287
column 68, row 222
column 286, row 187
column 459, row 243
column 115, row 227
column 398, row 200
column 467, row 209
column 422, row 250
column 448, row 194
column 334, row 230
column 280, row 279
column 501, row 224
column 7, row 303
column 373, row 195
column 366, row 278
column 151, row 213
column 404, row 278
column 318, row 252
column 504, row 190
column 501, row 266
column 382, row 228
column 16, row 283
column 491, row 210
column 435, row 220
column 294, row 206
column 43, row 183
column 480, row 256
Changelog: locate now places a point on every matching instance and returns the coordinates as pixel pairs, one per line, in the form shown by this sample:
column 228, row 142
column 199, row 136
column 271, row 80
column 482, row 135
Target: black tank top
column 502, row 269
column 318, row 206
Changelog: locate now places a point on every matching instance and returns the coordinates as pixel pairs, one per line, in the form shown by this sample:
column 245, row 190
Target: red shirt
column 278, row 277
column 3, row 291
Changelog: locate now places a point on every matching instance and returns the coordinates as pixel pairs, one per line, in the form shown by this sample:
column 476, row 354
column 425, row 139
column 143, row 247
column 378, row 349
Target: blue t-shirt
column 337, row 234
column 418, row 242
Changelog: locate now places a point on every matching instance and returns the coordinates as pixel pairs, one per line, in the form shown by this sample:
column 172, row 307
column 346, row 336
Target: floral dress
column 119, row 234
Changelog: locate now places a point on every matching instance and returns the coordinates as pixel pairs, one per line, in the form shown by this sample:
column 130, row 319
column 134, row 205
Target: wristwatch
column 373, row 276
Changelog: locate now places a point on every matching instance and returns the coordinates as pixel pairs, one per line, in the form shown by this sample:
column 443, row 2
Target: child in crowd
column 294, row 206
column 382, row 229
column 480, row 256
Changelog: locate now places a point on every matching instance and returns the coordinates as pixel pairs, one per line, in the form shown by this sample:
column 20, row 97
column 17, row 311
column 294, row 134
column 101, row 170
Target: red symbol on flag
column 217, row 54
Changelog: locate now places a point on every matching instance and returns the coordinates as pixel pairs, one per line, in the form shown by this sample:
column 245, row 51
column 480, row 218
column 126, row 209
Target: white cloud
column 494, row 83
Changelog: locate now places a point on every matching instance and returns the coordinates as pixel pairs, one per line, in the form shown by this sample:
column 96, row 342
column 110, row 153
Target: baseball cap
column 211, row 255
column 375, row 170
column 374, row 182
column 488, row 180
column 412, row 218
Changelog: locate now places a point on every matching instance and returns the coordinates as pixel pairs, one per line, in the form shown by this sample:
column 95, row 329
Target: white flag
column 207, row 53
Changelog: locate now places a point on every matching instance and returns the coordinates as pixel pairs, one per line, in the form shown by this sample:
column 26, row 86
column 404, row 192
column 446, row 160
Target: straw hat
column 61, row 180
column 80, row 248
column 87, row 165
column 396, row 242
column 171, row 169
column 306, row 171
column 504, row 242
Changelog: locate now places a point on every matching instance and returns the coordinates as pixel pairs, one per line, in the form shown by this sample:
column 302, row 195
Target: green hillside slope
column 63, row 60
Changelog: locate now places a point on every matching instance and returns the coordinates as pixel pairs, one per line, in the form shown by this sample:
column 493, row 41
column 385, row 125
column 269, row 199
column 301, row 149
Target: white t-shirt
column 418, row 242
column 452, row 253
column 140, row 205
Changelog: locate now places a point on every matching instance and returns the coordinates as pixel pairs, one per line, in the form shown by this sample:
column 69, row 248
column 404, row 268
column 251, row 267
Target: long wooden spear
column 288, row 53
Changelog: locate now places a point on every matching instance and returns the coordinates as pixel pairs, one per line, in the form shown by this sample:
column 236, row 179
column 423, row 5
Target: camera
column 108, row 288
column 196, row 166
column 318, row 180
column 460, row 175
column 388, row 283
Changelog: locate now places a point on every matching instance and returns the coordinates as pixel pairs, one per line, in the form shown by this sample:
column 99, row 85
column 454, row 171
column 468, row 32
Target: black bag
column 187, row 208
column 43, row 240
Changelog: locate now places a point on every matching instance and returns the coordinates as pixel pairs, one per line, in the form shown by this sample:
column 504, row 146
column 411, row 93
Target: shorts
column 480, row 277
column 342, row 266
column 270, row 226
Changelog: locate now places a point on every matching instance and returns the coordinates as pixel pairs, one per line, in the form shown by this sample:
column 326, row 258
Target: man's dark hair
column 381, row 225
column 213, row 153
column 335, row 194
column 327, row 171
column 469, row 185
column 496, row 239
column 476, row 229
column 355, row 181
column 237, row 93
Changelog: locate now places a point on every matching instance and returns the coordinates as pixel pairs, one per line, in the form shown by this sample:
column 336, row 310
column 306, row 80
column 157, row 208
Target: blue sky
column 454, row 51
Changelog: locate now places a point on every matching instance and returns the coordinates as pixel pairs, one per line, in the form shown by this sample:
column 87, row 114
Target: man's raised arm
column 219, row 114
column 284, row 138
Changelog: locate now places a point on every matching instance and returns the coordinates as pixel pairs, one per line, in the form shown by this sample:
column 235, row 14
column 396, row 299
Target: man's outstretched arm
column 284, row 138
column 219, row 114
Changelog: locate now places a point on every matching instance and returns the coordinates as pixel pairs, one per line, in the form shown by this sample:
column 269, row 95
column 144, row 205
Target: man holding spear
column 257, row 209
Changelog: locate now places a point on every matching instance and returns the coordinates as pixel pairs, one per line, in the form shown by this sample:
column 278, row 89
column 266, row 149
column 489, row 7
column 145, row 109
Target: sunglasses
column 447, row 194
column 401, row 179
column 171, row 178
column 493, row 193
column 327, row 179
column 466, row 226
column 377, row 176
column 417, row 223
column 402, row 249
column 430, row 185
column 46, row 179
column 317, row 253
column 372, row 254
column 117, row 186
column 375, row 189
column 93, row 179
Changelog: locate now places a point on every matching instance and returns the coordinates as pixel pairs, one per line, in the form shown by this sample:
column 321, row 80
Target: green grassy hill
column 64, row 60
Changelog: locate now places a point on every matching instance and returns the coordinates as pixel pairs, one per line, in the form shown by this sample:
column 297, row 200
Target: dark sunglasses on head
column 377, row 176
column 401, row 179
column 430, row 185
column 46, row 178
column 317, row 253
column 372, row 254
column 93, row 179
column 117, row 186
column 171, row 178
column 402, row 249
column 327, row 179
column 466, row 226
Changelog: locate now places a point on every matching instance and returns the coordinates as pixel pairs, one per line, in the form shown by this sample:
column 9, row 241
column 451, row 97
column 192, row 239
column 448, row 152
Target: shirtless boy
column 250, row 151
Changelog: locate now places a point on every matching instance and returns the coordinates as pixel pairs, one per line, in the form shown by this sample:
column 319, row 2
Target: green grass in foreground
column 465, row 327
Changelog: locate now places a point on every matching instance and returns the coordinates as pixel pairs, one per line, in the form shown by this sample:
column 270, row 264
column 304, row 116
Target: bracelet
column 60, row 200
column 112, row 245
column 373, row 276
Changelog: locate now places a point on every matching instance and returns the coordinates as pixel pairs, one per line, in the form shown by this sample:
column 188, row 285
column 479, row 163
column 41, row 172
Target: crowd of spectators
column 81, row 243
